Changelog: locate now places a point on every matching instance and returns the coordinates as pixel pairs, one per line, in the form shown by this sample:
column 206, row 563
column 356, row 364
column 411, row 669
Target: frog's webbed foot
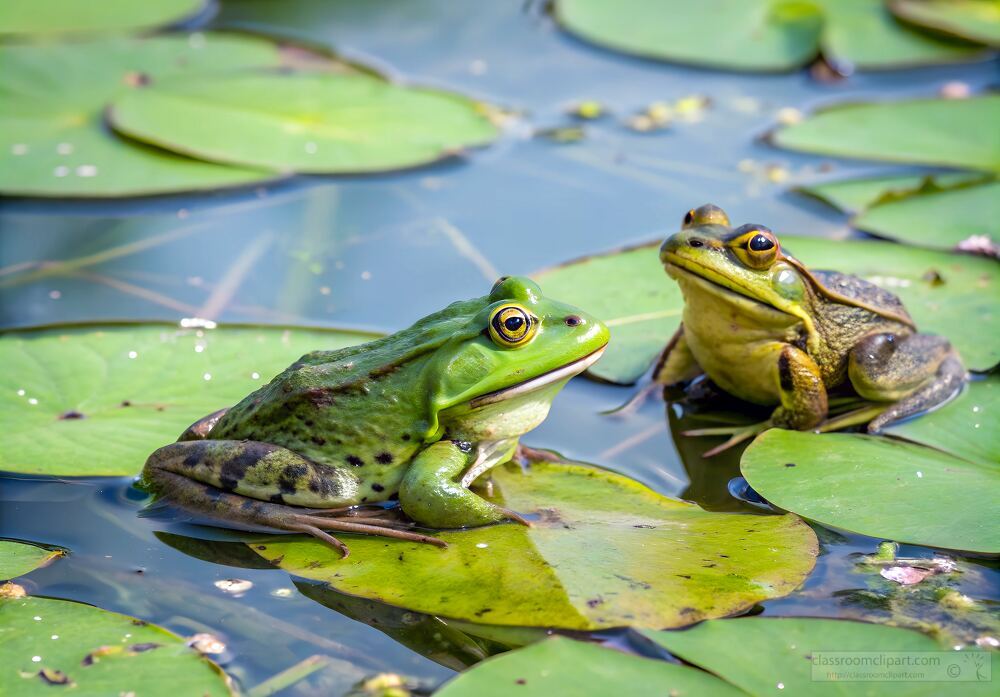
column 525, row 455
column 317, row 526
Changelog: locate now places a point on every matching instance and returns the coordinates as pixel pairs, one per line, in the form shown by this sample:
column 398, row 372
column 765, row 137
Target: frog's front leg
column 916, row 372
column 676, row 364
column 433, row 493
column 801, row 390
column 251, row 484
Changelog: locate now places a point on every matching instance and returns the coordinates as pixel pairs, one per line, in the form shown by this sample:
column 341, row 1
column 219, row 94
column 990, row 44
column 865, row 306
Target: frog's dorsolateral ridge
column 766, row 329
column 419, row 414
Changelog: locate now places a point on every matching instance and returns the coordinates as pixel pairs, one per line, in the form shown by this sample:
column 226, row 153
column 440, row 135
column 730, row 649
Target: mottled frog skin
column 417, row 415
column 766, row 329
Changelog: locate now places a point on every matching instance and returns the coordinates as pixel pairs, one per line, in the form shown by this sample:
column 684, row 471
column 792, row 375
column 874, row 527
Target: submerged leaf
column 758, row 35
column 316, row 122
column 88, row 651
column 131, row 388
column 602, row 551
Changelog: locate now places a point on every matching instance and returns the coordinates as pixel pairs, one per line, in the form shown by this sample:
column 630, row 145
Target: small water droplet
column 920, row 475
column 20, row 393
column 975, row 410
column 55, row 636
column 198, row 348
column 781, row 686
column 86, row 171
column 36, row 618
column 207, row 376
column 61, row 171
column 64, row 148
column 133, row 354
column 32, row 401
column 36, row 659
column 255, row 375
column 482, row 545
column 975, row 425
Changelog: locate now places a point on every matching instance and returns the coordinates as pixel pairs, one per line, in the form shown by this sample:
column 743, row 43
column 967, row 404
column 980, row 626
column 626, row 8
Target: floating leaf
column 947, row 294
column 974, row 20
column 49, row 17
column 938, row 219
column 18, row 558
column 891, row 489
column 945, row 132
column 48, row 644
column 783, row 655
column 315, row 122
column 632, row 294
column 603, row 551
column 53, row 139
column 757, row 35
column 96, row 401
column 560, row 666
column 855, row 195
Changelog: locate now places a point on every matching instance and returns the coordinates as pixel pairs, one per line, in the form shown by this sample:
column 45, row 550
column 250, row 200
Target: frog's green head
column 511, row 347
column 708, row 254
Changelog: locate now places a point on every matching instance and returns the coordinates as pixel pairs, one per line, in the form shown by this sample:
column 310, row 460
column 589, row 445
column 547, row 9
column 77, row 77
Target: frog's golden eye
column 760, row 245
column 512, row 326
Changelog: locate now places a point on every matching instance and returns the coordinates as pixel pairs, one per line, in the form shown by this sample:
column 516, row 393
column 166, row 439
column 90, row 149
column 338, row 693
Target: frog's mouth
column 704, row 279
column 538, row 382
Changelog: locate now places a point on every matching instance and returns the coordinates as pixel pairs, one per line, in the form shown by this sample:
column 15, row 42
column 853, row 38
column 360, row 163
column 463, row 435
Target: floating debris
column 562, row 134
column 233, row 586
column 789, row 116
column 12, row 591
column 955, row 90
column 205, row 643
column 587, row 110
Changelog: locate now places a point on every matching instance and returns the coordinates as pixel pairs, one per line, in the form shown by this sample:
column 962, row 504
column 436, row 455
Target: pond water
column 378, row 252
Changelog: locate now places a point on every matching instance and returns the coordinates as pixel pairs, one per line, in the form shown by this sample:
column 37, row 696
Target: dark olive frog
column 420, row 414
column 766, row 329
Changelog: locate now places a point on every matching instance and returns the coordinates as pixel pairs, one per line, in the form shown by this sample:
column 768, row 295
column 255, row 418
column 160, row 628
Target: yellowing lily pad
column 602, row 551
column 945, row 132
column 797, row 655
column 95, row 401
column 317, row 122
column 51, row 17
column 53, row 138
column 974, row 20
column 55, row 646
column 948, row 294
column 757, row 35
column 560, row 666
column 18, row 558
column 939, row 491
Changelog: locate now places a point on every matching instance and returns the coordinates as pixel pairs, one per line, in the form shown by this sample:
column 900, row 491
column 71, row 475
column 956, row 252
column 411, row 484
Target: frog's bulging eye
column 511, row 325
column 760, row 243
column 760, row 246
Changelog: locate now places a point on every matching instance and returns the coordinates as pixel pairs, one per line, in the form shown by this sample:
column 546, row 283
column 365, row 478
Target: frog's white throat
column 536, row 383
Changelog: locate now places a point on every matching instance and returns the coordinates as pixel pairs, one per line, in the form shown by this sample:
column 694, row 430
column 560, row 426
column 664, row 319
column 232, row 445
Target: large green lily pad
column 53, row 139
column 48, row 17
column 784, row 655
column 974, row 20
column 893, row 489
column 96, row 400
column 603, row 551
column 945, row 132
column 55, row 646
column 857, row 195
column 757, row 35
column 947, row 294
column 18, row 558
column 560, row 666
column 316, row 122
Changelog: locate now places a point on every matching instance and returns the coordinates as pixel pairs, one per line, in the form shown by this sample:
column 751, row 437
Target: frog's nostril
column 695, row 242
column 572, row 320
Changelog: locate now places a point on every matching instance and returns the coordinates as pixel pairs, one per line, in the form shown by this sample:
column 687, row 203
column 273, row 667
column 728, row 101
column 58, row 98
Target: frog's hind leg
column 250, row 483
column 915, row 373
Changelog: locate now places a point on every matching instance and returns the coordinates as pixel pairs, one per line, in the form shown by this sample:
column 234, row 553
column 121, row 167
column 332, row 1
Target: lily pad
column 947, row 294
column 784, row 655
column 315, row 122
column 602, row 551
column 50, row 17
column 757, row 35
column 974, row 20
column 18, row 558
column 96, row 400
column 857, row 195
column 47, row 645
column 939, row 219
column 560, row 666
column 892, row 489
column 945, row 132
column 53, row 139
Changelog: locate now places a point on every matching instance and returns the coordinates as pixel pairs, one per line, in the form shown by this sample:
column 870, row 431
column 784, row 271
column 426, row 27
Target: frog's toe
column 306, row 522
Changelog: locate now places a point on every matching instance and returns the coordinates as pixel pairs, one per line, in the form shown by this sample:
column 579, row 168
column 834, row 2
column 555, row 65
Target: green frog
column 418, row 415
column 764, row 328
